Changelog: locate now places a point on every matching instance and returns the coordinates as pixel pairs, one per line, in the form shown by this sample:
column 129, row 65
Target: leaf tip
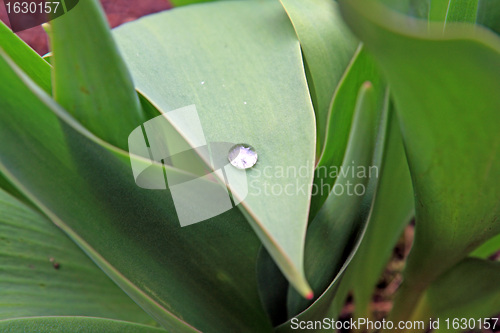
column 367, row 85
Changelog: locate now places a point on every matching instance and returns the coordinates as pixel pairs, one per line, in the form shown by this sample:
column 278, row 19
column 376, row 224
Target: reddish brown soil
column 117, row 11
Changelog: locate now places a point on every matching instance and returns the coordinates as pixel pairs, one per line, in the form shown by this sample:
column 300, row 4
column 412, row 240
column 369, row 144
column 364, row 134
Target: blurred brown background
column 117, row 11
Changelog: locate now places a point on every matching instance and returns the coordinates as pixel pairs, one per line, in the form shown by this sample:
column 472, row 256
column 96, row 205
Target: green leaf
column 438, row 10
column 470, row 289
column 12, row 190
column 462, row 11
column 327, row 46
column 488, row 248
column 488, row 14
column 273, row 288
column 27, row 59
column 87, row 188
column 456, row 204
column 334, row 235
column 453, row 11
column 73, row 324
column 31, row 247
column 256, row 93
column 39, row 71
column 91, row 80
column 339, row 120
column 393, row 209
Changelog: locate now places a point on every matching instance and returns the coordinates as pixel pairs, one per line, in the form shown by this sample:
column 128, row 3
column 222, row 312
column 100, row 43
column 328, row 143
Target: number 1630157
column 472, row 323
column 32, row 7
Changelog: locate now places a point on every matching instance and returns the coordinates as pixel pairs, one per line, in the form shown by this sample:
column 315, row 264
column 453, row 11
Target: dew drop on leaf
column 242, row 156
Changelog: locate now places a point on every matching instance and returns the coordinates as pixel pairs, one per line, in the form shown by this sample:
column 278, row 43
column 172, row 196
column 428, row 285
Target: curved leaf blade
column 238, row 100
column 335, row 234
column 131, row 233
column 392, row 210
column 471, row 289
column 91, row 80
column 488, row 248
column 456, row 206
column 488, row 14
column 339, row 120
column 327, row 47
column 26, row 58
column 45, row 273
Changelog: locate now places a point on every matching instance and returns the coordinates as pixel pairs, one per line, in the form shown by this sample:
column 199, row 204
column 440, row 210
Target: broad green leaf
column 392, row 210
column 39, row 71
column 87, row 188
column 339, row 120
column 74, row 324
column 334, row 235
column 32, row 286
column 327, row 46
column 91, row 80
column 27, row 59
column 444, row 87
column 239, row 62
column 470, row 289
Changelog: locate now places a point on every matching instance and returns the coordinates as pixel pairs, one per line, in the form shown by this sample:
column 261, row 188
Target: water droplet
column 242, row 156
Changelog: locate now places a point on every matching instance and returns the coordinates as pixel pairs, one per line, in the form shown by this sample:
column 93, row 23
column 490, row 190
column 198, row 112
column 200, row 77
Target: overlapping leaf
column 488, row 14
column 86, row 187
column 339, row 120
column 488, row 248
column 327, row 46
column 43, row 273
column 470, row 290
column 448, row 110
column 27, row 59
column 393, row 208
column 335, row 234
column 91, row 80
column 248, row 85
column 39, row 70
